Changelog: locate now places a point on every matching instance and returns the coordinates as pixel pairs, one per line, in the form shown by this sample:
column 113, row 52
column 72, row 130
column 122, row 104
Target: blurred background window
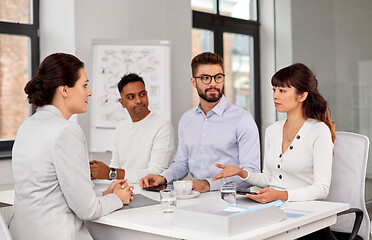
column 19, row 58
column 230, row 28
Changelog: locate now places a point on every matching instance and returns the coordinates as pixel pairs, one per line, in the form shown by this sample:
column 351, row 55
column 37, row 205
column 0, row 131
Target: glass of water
column 228, row 192
column 168, row 200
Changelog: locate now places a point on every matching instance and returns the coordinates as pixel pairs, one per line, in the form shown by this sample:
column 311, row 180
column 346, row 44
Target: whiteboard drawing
column 112, row 62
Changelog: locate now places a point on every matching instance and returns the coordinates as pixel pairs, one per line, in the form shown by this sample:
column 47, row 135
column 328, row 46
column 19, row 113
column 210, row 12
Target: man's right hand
column 152, row 180
column 99, row 170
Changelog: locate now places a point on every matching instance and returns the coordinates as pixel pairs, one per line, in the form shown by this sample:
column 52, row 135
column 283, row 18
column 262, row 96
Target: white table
column 151, row 223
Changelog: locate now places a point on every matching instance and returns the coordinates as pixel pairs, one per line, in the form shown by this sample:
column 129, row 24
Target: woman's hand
column 268, row 195
column 113, row 184
column 124, row 193
column 229, row 171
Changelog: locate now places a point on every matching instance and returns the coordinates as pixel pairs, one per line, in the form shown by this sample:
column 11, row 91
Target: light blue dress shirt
column 226, row 135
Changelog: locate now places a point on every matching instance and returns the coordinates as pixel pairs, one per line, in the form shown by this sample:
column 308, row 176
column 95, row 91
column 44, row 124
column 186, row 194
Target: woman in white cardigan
column 53, row 190
column 299, row 149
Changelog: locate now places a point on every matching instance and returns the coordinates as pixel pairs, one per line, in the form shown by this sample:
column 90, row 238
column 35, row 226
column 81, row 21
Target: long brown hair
column 303, row 80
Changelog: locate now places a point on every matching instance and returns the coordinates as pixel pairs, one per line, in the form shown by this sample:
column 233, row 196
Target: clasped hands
column 122, row 189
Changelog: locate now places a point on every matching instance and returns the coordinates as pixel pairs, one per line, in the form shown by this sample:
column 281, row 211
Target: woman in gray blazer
column 53, row 190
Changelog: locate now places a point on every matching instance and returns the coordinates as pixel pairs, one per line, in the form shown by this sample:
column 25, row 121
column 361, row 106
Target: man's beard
column 210, row 97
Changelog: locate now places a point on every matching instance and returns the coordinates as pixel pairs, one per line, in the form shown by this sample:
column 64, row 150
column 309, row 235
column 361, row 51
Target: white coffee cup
column 182, row 187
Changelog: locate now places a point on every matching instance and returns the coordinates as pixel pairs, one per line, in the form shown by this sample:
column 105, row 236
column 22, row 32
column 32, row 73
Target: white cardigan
column 304, row 169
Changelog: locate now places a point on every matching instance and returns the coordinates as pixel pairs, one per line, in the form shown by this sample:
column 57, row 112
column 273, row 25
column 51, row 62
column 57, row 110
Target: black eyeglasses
column 207, row 79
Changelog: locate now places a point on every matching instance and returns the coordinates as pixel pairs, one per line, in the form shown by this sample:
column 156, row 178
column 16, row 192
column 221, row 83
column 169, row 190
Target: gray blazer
column 53, row 190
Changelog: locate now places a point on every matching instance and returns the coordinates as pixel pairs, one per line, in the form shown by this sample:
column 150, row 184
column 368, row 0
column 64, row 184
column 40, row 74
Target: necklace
column 289, row 139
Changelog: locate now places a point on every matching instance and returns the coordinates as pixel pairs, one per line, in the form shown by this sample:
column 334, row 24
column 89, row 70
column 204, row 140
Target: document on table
column 294, row 213
column 231, row 209
column 244, row 202
column 140, row 200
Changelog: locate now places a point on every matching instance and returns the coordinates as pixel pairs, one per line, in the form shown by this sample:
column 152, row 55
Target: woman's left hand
column 110, row 189
column 268, row 195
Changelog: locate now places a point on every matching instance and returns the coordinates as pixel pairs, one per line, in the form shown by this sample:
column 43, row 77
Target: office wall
column 267, row 63
column 313, row 41
column 334, row 38
column 57, row 27
column 71, row 25
column 353, row 38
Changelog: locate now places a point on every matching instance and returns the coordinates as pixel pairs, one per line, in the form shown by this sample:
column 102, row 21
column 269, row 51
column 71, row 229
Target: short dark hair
column 128, row 78
column 205, row 58
column 57, row 69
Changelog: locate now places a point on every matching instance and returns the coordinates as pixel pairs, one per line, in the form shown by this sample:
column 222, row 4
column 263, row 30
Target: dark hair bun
column 57, row 69
column 38, row 92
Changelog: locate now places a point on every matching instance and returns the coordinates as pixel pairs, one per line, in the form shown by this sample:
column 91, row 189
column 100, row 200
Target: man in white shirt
column 143, row 143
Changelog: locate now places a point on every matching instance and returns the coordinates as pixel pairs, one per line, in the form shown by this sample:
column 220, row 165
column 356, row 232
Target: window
column 19, row 59
column 202, row 41
column 230, row 28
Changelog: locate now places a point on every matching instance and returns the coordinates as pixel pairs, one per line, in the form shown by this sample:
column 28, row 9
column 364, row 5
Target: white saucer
column 191, row 195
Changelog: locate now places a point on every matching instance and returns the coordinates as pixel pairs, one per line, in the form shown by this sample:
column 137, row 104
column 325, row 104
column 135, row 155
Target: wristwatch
column 112, row 174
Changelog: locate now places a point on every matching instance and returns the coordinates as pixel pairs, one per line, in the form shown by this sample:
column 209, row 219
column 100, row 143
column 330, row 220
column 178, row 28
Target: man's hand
column 99, row 170
column 200, row 185
column 268, row 195
column 229, row 171
column 110, row 189
column 152, row 180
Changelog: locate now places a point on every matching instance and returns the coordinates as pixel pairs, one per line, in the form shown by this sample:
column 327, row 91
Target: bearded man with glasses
column 214, row 132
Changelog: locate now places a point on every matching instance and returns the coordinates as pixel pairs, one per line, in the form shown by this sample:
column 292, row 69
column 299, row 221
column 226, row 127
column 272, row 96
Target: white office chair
column 347, row 185
column 4, row 231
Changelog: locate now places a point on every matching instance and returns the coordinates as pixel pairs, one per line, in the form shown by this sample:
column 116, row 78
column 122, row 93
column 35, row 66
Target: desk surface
column 150, row 220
